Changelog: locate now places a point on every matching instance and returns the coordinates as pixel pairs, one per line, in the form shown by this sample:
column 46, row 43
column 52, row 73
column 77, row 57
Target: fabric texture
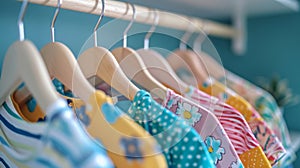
column 268, row 141
column 127, row 144
column 207, row 125
column 182, row 145
column 265, row 104
column 235, row 127
column 59, row 141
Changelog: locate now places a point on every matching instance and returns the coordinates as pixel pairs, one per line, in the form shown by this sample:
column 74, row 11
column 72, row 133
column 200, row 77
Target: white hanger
column 134, row 67
column 62, row 65
column 158, row 66
column 23, row 63
column 184, row 58
column 100, row 62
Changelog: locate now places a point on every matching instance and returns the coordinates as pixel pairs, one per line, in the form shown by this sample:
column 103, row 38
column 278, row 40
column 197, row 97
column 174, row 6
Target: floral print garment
column 268, row 141
column 207, row 125
column 182, row 145
column 235, row 126
column 265, row 104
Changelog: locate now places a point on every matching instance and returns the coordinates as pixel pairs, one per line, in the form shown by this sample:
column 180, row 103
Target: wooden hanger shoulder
column 100, row 62
column 61, row 64
column 214, row 68
column 189, row 60
column 161, row 70
column 23, row 63
column 135, row 69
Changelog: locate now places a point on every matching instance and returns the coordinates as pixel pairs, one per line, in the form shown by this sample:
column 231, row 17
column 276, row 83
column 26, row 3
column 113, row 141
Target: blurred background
column 271, row 42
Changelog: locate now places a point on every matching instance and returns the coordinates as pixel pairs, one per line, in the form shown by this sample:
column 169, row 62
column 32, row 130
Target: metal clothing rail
column 116, row 9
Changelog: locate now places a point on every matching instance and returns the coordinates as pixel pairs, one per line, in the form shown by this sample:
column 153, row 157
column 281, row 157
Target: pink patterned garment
column 268, row 141
column 266, row 105
column 233, row 123
column 208, row 126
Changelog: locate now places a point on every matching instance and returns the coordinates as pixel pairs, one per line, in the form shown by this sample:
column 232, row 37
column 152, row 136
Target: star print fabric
column 181, row 144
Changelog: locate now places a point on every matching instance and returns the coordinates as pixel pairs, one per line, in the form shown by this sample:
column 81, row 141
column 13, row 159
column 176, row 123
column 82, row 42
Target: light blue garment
column 59, row 141
column 182, row 145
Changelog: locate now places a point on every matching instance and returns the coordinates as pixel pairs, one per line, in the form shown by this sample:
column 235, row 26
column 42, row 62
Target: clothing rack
column 116, row 9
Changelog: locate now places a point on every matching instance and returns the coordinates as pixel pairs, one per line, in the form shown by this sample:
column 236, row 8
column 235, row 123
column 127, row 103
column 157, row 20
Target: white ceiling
column 221, row 9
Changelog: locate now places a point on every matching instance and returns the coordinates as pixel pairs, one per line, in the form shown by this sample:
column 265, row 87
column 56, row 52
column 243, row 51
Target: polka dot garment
column 127, row 144
column 182, row 145
column 209, row 128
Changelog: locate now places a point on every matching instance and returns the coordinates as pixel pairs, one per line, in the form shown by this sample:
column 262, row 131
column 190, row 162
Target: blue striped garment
column 59, row 141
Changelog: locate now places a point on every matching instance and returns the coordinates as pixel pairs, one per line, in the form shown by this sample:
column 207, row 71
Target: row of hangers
column 55, row 60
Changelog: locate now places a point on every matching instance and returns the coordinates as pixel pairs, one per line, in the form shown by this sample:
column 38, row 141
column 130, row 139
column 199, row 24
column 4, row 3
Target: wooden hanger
column 23, row 63
column 100, row 62
column 158, row 66
column 185, row 58
column 134, row 67
column 62, row 65
column 190, row 61
column 214, row 68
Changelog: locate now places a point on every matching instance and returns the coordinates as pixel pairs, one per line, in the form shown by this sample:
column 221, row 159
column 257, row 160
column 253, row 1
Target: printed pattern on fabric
column 235, row 126
column 58, row 142
column 182, row 146
column 268, row 141
column 113, row 129
column 31, row 111
column 207, row 125
column 215, row 149
column 265, row 104
column 127, row 144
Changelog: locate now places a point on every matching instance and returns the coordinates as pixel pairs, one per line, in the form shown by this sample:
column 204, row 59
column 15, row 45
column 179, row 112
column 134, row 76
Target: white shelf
column 221, row 9
column 235, row 10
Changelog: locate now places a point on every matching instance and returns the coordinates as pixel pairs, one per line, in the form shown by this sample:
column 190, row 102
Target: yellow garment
column 127, row 144
column 268, row 141
column 254, row 158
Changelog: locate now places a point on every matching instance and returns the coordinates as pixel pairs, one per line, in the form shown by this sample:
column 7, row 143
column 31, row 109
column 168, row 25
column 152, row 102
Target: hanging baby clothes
column 208, row 126
column 57, row 142
column 270, row 144
column 182, row 146
column 265, row 104
column 127, row 144
column 234, row 125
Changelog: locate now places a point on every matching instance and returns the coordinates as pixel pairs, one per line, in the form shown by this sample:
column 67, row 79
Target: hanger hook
column 201, row 37
column 129, row 26
column 98, row 23
column 20, row 20
column 190, row 30
column 59, row 2
column 150, row 32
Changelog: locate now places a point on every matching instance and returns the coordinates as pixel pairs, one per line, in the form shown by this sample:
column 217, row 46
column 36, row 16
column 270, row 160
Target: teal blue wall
column 273, row 48
column 72, row 28
column 273, row 43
